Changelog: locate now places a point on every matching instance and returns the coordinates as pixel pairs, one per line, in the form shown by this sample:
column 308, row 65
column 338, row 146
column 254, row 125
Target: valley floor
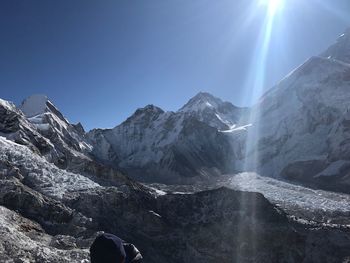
column 300, row 202
column 318, row 205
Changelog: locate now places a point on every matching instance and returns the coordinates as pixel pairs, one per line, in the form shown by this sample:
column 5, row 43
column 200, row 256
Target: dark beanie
column 107, row 248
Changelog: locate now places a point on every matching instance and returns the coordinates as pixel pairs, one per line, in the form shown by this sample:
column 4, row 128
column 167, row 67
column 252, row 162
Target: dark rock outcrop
column 218, row 225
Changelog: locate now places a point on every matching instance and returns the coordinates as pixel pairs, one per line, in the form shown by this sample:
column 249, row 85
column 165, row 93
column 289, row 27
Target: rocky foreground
column 39, row 224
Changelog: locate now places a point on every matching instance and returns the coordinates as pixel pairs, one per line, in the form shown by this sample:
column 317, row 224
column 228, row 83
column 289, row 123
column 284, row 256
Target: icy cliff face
column 43, row 176
column 295, row 124
column 302, row 107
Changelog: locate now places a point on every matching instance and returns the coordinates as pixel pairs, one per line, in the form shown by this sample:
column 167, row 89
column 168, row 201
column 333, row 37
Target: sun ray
column 258, row 72
column 273, row 6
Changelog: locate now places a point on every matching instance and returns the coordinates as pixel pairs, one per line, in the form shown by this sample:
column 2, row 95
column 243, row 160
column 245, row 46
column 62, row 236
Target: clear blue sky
column 100, row 60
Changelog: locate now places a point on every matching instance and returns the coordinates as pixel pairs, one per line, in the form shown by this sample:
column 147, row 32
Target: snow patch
column 155, row 214
column 239, row 128
column 6, row 104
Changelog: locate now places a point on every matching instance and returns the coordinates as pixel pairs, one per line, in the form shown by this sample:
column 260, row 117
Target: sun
column 273, row 6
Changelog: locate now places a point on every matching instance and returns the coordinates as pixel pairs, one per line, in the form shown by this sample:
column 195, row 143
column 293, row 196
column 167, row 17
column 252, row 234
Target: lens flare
column 273, row 6
column 258, row 74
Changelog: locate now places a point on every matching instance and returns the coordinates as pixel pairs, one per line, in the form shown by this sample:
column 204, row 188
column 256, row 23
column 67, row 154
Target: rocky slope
column 23, row 240
column 66, row 211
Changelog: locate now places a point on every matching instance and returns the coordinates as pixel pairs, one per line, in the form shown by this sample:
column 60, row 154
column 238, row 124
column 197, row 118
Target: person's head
column 107, row 248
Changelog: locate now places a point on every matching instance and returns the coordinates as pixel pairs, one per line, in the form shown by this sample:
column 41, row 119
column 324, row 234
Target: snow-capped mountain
column 300, row 125
column 297, row 130
column 46, row 132
column 186, row 145
column 15, row 126
column 213, row 111
column 50, row 122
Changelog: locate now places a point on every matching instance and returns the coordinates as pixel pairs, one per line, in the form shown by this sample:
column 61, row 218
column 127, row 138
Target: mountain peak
column 201, row 101
column 341, row 49
column 7, row 104
column 150, row 108
column 148, row 112
column 205, row 97
column 38, row 104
